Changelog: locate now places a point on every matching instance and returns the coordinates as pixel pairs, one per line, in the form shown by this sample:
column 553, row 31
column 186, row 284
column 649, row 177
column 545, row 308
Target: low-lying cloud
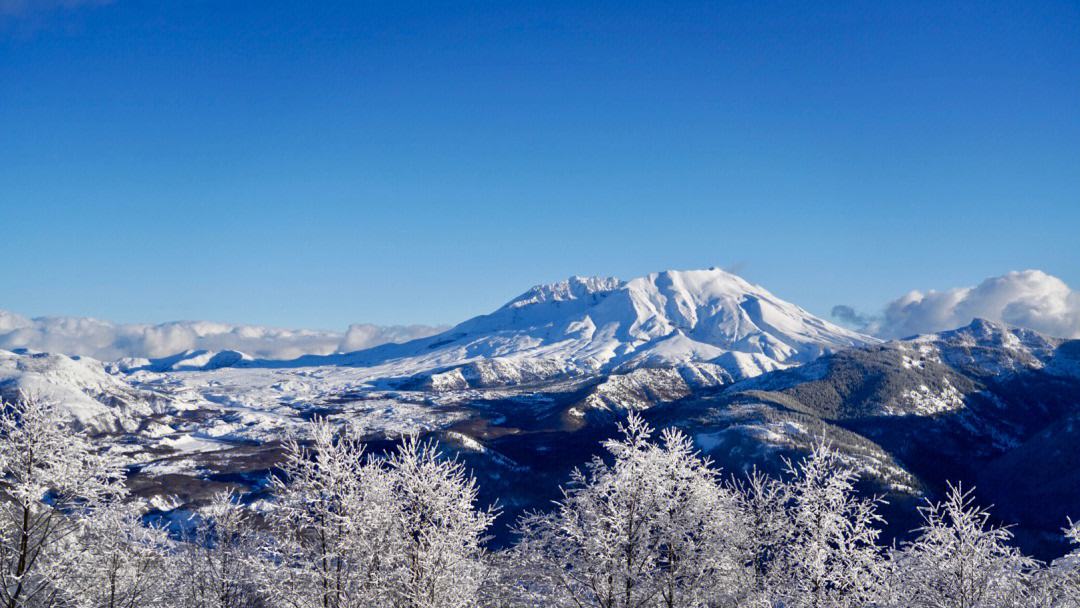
column 110, row 341
column 1029, row 298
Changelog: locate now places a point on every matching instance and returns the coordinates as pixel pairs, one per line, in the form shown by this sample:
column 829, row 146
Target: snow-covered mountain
column 188, row 360
column 993, row 349
column 94, row 399
column 591, row 325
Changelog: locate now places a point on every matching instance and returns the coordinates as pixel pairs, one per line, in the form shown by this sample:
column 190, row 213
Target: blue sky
column 312, row 165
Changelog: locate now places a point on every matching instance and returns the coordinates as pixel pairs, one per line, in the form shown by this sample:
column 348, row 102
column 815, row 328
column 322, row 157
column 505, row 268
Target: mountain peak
column 985, row 325
column 701, row 284
column 992, row 333
column 992, row 347
column 576, row 287
column 711, row 273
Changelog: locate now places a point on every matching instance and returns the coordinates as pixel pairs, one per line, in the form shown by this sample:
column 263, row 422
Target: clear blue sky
column 306, row 164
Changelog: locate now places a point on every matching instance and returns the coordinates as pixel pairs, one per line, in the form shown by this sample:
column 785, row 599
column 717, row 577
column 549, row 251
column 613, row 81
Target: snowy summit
column 588, row 325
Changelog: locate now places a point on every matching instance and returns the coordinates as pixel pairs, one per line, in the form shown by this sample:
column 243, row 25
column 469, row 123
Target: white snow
column 79, row 384
column 926, row 401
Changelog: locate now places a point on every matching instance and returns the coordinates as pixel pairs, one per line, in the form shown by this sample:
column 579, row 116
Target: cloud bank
column 1029, row 298
column 110, row 341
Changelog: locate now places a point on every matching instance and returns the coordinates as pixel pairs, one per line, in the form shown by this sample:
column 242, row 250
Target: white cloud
column 365, row 335
column 1029, row 298
column 109, row 341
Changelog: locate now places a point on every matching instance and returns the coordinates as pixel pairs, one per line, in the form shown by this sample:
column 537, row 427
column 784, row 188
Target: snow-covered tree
column 1058, row 586
column 438, row 532
column 356, row 531
column 830, row 557
column 49, row 474
column 699, row 528
column 1066, row 571
column 118, row 562
column 654, row 528
column 762, row 503
column 218, row 566
column 333, row 522
column 959, row 560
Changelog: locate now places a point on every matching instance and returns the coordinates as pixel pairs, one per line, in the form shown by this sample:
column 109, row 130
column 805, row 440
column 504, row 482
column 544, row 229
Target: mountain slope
column 91, row 397
column 992, row 406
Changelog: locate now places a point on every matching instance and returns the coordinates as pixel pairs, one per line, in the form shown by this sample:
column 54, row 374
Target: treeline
column 652, row 526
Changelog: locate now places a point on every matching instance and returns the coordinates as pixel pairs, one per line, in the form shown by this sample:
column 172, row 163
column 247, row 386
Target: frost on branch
column 117, row 560
column 50, row 477
column 654, row 528
column 219, row 565
column 829, row 554
column 1060, row 586
column 960, row 560
column 354, row 530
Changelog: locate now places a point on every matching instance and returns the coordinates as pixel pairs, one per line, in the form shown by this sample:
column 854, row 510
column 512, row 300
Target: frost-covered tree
column 1065, row 572
column 959, row 560
column 438, row 532
column 49, row 474
column 333, row 522
column 699, row 528
column 1058, row 585
column 762, row 503
column 829, row 556
column 117, row 561
column 218, row 565
column 356, row 531
column 654, row 528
